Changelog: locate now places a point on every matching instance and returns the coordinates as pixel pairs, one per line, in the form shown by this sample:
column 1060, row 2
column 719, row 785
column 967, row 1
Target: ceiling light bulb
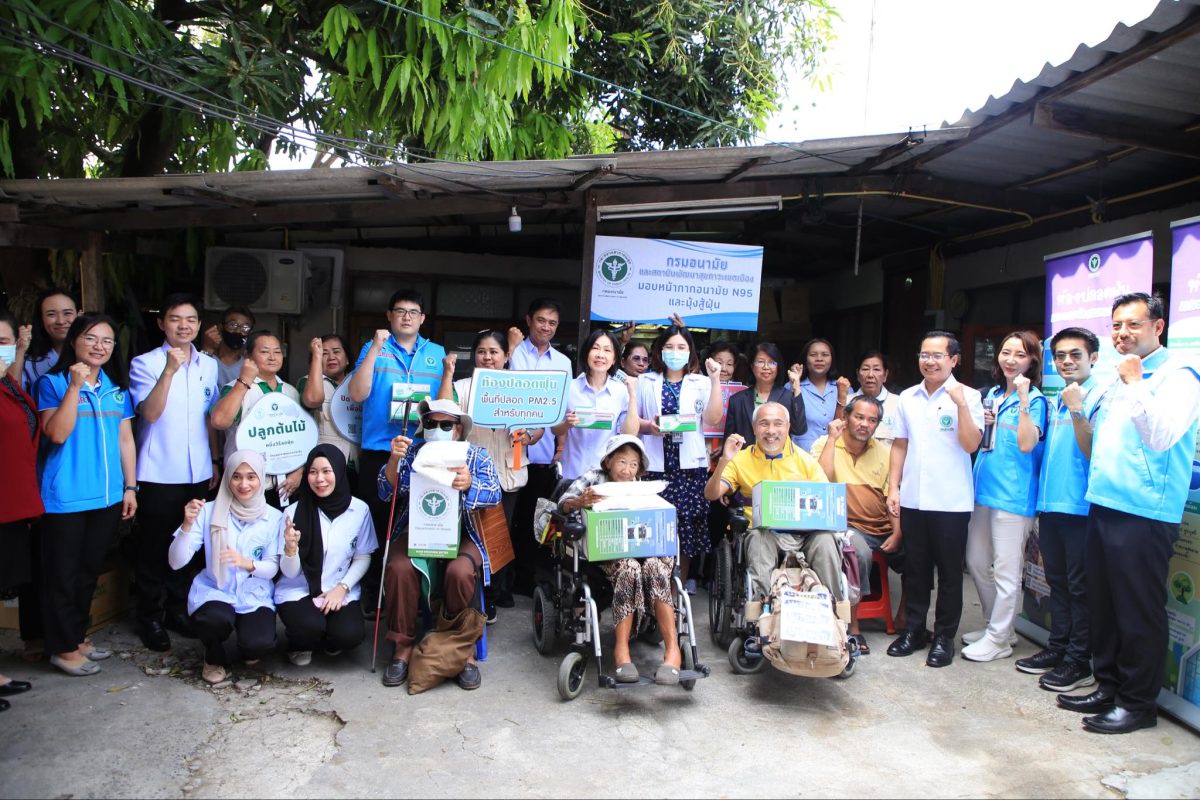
column 514, row 221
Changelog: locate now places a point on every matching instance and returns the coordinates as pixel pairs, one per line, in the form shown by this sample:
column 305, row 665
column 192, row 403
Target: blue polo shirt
column 1062, row 485
column 422, row 365
column 84, row 472
column 1005, row 478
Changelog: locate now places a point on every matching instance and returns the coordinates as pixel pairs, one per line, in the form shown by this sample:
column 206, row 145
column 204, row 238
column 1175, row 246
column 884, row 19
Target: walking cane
column 387, row 546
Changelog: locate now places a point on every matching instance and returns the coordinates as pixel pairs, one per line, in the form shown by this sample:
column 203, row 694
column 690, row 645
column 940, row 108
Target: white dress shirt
column 174, row 448
column 937, row 471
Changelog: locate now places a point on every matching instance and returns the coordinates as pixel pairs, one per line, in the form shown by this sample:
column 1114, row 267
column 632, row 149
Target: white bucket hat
column 447, row 407
column 620, row 440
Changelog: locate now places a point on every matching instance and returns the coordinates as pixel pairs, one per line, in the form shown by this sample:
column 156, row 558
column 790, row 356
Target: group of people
column 1101, row 463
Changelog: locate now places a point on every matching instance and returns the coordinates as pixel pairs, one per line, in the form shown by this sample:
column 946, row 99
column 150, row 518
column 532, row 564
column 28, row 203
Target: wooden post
column 589, row 256
column 91, row 273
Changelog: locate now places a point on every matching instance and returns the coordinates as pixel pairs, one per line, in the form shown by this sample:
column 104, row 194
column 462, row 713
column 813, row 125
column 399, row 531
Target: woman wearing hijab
column 240, row 536
column 328, row 538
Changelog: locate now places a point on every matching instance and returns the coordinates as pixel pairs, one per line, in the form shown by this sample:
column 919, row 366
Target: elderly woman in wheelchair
column 636, row 582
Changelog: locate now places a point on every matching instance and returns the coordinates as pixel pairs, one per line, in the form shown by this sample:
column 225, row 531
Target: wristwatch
column 133, row 488
column 1078, row 414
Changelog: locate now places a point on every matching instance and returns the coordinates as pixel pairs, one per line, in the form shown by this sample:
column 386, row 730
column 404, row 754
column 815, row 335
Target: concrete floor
column 147, row 726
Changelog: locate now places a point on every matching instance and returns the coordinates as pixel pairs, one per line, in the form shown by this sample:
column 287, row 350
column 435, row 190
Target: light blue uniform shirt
column 585, row 446
column 351, row 534
column 174, row 448
column 393, row 365
column 84, row 472
column 258, row 541
column 819, row 408
column 1005, row 478
column 35, row 369
column 526, row 356
column 1062, row 484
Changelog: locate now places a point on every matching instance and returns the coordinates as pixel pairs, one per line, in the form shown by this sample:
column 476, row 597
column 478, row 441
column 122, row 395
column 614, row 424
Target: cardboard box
column 678, row 423
column 595, row 420
column 433, row 519
column 403, row 393
column 799, row 506
column 629, row 533
column 110, row 601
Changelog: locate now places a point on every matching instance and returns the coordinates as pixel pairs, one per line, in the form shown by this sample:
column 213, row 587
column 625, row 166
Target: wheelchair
column 566, row 607
column 731, row 588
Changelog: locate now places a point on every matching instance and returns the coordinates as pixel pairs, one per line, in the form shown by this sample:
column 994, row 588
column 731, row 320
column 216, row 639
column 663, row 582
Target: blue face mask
column 675, row 359
column 438, row 435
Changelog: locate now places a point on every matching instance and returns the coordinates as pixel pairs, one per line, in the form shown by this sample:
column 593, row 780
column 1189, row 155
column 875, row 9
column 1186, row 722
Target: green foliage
column 366, row 72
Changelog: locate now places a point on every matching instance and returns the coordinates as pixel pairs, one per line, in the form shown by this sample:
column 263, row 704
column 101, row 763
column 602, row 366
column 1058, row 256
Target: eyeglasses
column 1133, row 325
column 932, row 356
column 445, row 424
column 640, row 359
column 766, row 364
column 1074, row 355
column 239, row 327
column 92, row 341
column 407, row 313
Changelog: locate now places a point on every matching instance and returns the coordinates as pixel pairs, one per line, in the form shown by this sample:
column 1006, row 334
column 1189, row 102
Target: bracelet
column 243, row 383
column 1023, row 409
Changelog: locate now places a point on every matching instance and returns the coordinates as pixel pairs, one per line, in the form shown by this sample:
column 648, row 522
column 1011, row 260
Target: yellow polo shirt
column 751, row 466
column 866, row 482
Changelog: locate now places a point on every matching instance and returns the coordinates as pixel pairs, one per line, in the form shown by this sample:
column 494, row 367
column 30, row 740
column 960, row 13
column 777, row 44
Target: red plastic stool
column 878, row 604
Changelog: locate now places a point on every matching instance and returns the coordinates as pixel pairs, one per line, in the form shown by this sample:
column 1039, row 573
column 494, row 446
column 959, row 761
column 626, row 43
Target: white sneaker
column 301, row 658
column 986, row 650
column 974, row 636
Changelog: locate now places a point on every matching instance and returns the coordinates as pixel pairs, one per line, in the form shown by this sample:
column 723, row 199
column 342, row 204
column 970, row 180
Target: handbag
column 492, row 527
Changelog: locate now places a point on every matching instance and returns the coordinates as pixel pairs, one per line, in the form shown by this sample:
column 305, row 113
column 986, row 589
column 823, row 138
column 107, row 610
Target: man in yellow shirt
column 851, row 454
column 773, row 457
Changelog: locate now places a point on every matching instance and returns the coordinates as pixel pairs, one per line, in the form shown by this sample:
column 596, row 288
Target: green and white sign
column 433, row 519
column 281, row 430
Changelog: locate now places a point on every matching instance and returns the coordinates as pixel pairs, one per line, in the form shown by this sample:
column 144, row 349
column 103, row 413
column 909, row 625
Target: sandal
column 666, row 675
column 77, row 670
column 864, row 649
column 627, row 673
column 212, row 673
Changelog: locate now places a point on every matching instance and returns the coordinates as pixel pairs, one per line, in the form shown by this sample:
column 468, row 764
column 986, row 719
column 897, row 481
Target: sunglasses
column 444, row 424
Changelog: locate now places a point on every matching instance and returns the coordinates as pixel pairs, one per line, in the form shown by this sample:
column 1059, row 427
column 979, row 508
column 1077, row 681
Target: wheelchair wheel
column 544, row 622
column 851, row 665
column 720, row 599
column 737, row 658
column 688, row 663
column 570, row 675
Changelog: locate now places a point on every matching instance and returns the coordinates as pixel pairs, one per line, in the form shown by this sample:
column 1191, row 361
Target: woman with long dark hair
column 88, row 482
column 1006, row 480
column 769, row 386
column 56, row 309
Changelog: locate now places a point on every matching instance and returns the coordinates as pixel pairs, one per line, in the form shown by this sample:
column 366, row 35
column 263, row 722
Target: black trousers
column 1062, row 538
column 934, row 540
column 73, row 549
column 216, row 621
column 160, row 511
column 308, row 629
column 369, row 464
column 1128, row 558
column 528, row 555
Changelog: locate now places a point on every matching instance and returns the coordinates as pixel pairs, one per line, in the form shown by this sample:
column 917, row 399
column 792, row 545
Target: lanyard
column 672, row 390
column 408, row 371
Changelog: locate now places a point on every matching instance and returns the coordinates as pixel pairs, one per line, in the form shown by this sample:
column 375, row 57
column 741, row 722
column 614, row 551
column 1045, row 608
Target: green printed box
column 678, row 423
column 594, row 420
column 639, row 533
column 799, row 506
column 403, row 393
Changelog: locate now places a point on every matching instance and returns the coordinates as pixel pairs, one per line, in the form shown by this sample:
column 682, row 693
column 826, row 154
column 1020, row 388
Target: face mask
column 675, row 359
column 8, row 353
column 234, row 341
column 438, row 435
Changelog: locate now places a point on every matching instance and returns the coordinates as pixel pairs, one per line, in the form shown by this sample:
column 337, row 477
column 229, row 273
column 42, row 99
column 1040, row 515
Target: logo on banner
column 615, row 267
column 433, row 504
column 1093, row 263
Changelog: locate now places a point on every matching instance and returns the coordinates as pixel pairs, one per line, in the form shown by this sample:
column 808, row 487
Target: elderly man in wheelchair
column 773, row 457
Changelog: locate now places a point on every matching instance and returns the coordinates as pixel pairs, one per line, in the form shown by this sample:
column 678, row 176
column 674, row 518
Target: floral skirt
column 637, row 584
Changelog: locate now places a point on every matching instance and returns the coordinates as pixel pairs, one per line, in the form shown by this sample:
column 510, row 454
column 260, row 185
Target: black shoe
column 491, row 613
column 1040, row 662
column 1097, row 702
column 154, row 635
column 941, row 653
column 1120, row 720
column 505, row 600
column 396, row 673
column 181, row 624
column 470, row 678
column 907, row 644
column 14, row 687
column 4, row 705
column 1067, row 677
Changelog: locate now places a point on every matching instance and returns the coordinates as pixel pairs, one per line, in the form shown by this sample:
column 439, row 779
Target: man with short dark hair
column 1138, row 483
column 1066, row 661
column 939, row 426
column 397, row 356
column 227, row 343
column 534, row 353
column 173, row 387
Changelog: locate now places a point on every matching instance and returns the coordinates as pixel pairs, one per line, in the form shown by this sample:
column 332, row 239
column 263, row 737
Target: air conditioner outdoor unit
column 265, row 281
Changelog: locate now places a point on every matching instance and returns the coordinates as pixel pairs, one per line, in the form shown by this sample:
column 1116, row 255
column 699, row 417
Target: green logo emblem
column 1094, row 262
column 433, row 504
column 946, row 420
column 1182, row 587
column 615, row 267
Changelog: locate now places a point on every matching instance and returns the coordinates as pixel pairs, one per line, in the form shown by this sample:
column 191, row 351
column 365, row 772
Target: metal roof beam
column 211, row 197
column 1115, row 128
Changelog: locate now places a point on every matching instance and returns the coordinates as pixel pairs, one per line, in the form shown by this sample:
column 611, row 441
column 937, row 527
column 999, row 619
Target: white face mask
column 438, row 435
column 676, row 359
